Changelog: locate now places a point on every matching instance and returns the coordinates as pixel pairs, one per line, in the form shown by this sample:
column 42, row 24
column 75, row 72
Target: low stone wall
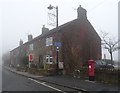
column 22, row 69
column 107, row 76
column 103, row 75
column 41, row 71
column 82, row 72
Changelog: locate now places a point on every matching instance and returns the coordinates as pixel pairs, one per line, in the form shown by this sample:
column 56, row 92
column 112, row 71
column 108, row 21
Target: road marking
column 43, row 83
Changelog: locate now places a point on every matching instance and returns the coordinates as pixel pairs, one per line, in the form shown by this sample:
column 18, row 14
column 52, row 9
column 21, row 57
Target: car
column 102, row 64
column 110, row 66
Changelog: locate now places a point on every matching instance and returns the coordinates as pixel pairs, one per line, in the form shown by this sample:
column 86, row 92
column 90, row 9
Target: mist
column 20, row 18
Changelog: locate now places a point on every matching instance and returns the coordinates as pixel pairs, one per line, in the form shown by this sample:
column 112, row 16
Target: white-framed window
column 49, row 59
column 31, row 47
column 49, row 41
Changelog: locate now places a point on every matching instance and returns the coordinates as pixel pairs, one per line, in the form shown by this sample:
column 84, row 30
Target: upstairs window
column 31, row 47
column 49, row 41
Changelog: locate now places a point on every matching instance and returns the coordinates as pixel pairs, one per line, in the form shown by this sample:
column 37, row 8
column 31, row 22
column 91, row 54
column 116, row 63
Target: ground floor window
column 49, row 59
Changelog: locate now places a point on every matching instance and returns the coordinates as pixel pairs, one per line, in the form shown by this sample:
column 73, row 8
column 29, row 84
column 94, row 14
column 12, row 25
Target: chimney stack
column 82, row 13
column 44, row 29
column 30, row 37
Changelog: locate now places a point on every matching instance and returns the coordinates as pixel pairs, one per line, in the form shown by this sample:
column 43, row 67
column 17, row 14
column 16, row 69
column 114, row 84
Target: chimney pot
column 30, row 37
column 21, row 42
column 44, row 29
column 82, row 13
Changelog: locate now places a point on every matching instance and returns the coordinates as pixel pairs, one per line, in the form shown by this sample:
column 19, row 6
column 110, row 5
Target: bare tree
column 110, row 44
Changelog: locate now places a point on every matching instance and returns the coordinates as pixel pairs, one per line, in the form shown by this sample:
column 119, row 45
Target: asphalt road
column 14, row 82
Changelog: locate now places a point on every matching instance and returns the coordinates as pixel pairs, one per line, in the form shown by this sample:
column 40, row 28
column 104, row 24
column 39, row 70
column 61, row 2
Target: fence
column 107, row 75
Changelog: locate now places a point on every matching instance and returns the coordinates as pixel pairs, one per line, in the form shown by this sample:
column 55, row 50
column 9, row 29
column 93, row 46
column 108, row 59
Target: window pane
column 31, row 47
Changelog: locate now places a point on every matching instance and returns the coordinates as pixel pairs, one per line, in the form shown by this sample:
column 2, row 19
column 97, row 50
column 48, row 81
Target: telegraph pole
column 57, row 48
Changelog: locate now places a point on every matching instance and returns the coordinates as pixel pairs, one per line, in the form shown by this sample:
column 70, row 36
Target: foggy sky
column 18, row 18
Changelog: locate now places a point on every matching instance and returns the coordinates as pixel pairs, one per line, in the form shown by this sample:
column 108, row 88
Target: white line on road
column 43, row 83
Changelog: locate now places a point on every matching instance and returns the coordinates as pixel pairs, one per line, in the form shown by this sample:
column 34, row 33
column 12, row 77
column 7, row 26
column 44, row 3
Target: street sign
column 60, row 64
column 57, row 44
column 31, row 57
column 57, row 50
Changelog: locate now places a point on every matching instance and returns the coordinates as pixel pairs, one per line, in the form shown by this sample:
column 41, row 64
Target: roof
column 46, row 34
column 55, row 30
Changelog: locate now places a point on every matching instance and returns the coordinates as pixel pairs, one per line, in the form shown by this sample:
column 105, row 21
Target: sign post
column 57, row 51
column 57, row 44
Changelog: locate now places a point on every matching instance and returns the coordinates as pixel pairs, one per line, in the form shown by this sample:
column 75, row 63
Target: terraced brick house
column 79, row 43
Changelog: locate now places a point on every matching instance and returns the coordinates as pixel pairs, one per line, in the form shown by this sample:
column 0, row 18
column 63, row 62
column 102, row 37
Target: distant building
column 79, row 43
column 119, row 30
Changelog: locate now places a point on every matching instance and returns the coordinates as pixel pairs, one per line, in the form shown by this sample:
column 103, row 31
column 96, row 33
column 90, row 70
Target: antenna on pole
column 51, row 20
column 74, row 8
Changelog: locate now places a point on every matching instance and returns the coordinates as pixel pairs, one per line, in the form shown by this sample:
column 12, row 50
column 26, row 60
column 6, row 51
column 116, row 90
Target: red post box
column 91, row 70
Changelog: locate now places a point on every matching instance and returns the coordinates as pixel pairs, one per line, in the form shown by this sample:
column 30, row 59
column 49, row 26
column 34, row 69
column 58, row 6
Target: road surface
column 15, row 82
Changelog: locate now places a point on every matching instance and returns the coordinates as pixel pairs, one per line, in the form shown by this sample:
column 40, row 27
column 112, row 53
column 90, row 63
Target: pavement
column 15, row 83
column 74, row 83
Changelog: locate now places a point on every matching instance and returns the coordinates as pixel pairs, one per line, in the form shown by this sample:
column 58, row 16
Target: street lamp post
column 57, row 18
column 57, row 49
column 50, row 8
